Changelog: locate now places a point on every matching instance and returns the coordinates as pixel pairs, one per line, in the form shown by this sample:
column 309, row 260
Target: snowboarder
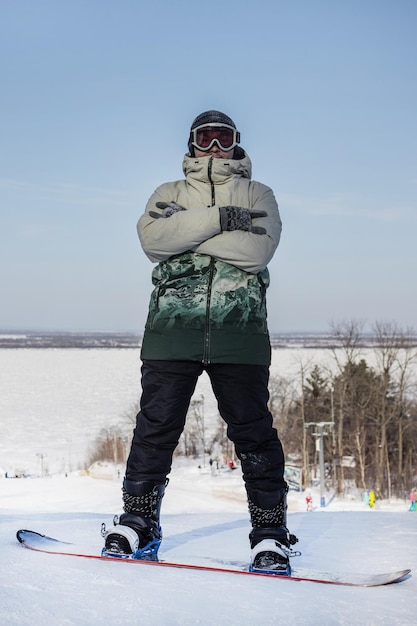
column 212, row 235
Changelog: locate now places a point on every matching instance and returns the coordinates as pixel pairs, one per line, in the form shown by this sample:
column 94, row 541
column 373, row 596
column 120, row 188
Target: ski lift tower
column 321, row 429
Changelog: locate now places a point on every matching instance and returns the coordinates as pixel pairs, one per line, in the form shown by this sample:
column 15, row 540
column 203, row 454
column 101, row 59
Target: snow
column 204, row 517
column 53, row 402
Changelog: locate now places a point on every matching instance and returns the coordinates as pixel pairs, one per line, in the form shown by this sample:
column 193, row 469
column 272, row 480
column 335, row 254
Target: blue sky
column 97, row 100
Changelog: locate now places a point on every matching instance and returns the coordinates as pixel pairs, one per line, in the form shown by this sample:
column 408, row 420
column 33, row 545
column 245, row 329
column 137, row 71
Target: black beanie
column 212, row 117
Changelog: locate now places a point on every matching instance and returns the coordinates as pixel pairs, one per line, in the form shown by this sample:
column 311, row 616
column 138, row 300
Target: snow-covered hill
column 53, row 403
column 199, row 520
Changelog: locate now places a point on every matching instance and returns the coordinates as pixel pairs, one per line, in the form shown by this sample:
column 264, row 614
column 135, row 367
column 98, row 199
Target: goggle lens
column 206, row 135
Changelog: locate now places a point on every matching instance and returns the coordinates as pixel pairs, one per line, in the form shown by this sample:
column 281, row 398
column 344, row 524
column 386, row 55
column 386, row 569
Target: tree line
column 368, row 413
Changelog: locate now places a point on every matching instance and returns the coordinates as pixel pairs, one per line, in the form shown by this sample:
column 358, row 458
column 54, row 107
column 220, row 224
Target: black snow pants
column 242, row 396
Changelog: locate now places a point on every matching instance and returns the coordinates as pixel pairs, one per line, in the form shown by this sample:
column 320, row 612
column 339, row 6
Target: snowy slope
column 53, row 590
column 54, row 402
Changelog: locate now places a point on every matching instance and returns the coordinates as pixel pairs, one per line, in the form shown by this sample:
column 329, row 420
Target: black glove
column 168, row 209
column 238, row 218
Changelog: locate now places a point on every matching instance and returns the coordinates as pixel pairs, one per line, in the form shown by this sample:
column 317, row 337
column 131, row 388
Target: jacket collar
column 221, row 171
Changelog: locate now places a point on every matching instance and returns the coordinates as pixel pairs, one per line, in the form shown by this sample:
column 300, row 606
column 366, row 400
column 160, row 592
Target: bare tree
column 347, row 335
column 395, row 353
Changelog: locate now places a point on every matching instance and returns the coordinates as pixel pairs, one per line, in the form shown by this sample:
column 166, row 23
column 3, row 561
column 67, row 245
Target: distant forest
column 55, row 339
column 112, row 339
column 368, row 414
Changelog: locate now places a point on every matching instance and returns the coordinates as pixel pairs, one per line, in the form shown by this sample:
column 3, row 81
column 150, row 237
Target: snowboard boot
column 136, row 534
column 270, row 539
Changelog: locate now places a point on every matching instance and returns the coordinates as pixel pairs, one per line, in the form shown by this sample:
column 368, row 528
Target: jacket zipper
column 206, row 352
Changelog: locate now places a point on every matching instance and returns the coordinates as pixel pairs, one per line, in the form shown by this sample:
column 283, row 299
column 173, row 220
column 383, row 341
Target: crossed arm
column 244, row 237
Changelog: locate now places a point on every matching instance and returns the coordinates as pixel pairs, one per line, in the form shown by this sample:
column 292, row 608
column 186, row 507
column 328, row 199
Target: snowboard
column 42, row 543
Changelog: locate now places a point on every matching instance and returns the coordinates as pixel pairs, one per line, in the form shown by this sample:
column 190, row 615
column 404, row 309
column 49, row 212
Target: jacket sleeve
column 164, row 237
column 246, row 250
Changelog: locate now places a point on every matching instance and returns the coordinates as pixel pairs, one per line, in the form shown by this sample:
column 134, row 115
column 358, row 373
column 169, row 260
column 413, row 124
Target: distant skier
column 309, row 501
column 412, row 500
column 212, row 235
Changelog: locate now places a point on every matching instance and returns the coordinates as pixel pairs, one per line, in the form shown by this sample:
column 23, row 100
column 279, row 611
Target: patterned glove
column 168, row 209
column 237, row 218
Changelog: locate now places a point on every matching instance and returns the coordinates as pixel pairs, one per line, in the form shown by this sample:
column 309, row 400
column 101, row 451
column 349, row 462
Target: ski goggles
column 204, row 137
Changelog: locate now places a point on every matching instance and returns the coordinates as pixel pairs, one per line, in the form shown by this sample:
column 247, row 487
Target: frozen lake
column 54, row 402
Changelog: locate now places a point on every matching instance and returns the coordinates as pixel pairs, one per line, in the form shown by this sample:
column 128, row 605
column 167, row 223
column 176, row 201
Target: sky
column 97, row 101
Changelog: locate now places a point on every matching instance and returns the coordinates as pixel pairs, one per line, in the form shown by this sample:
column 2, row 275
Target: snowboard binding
column 123, row 542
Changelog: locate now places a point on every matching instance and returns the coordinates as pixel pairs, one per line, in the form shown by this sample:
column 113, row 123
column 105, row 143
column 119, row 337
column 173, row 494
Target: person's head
column 213, row 133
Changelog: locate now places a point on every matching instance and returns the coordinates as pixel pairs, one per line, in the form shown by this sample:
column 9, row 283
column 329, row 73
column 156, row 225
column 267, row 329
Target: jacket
column 209, row 297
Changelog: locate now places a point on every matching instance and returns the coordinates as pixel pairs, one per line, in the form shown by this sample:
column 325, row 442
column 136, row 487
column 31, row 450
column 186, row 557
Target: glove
column 237, row 218
column 168, row 209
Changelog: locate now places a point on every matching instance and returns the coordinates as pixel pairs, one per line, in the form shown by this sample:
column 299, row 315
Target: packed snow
column 52, row 396
column 204, row 520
